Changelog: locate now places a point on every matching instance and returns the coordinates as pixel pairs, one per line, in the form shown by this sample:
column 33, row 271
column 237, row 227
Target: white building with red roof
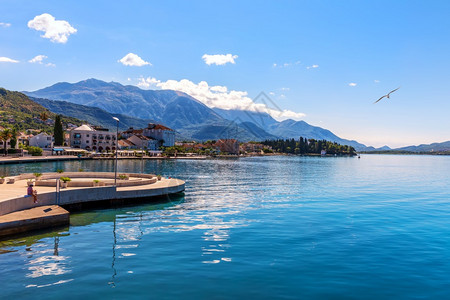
column 162, row 134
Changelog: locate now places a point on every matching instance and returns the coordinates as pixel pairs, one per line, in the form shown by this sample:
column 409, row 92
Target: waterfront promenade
column 33, row 159
column 81, row 191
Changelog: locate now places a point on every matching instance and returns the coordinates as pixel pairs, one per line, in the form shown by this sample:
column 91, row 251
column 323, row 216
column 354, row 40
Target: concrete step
column 34, row 218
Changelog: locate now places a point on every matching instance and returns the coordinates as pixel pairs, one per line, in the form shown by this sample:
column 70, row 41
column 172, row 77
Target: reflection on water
column 270, row 227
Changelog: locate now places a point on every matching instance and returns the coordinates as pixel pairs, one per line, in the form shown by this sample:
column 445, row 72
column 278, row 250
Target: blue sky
column 303, row 54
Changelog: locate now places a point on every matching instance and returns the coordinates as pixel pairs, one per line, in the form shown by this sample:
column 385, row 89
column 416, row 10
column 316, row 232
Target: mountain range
column 434, row 147
column 188, row 116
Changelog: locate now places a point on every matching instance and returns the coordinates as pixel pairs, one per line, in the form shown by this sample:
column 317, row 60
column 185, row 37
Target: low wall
column 56, row 175
column 46, row 180
column 21, row 203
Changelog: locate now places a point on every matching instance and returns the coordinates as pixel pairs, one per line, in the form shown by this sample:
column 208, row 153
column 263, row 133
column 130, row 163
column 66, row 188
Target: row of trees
column 308, row 146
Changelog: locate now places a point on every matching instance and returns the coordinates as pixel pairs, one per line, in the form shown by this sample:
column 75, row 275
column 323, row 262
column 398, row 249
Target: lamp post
column 117, row 150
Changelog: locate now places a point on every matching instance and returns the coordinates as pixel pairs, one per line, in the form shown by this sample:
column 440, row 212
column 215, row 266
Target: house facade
column 143, row 142
column 230, row 146
column 91, row 139
column 41, row 140
column 162, row 134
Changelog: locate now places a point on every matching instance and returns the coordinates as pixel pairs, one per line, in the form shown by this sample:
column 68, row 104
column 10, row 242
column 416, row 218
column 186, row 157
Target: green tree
column 58, row 131
column 5, row 135
column 13, row 140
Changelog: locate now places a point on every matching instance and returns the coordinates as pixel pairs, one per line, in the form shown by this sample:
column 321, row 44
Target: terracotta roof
column 125, row 143
column 158, row 126
column 133, row 131
column 143, row 137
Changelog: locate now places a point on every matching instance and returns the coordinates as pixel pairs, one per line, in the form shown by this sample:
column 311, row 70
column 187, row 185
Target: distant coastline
column 400, row 152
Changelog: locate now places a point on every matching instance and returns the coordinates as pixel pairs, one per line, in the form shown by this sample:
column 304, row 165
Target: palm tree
column 13, row 140
column 5, row 135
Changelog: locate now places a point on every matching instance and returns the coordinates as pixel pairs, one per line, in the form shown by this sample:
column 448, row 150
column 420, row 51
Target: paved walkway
column 19, row 187
column 30, row 159
column 13, row 195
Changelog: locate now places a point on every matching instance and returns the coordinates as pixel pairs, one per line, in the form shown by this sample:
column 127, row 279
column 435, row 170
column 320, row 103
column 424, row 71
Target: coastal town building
column 230, row 146
column 24, row 139
column 162, row 134
column 92, row 139
column 252, row 147
column 125, row 144
column 41, row 140
column 143, row 142
column 8, row 144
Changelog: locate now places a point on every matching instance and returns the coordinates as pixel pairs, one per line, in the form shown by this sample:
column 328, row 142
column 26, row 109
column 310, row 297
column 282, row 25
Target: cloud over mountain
column 220, row 97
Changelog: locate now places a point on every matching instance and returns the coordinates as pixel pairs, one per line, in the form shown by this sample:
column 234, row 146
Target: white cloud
column 286, row 64
column 134, row 60
column 8, row 60
column 218, row 96
column 376, row 81
column 312, row 67
column 148, row 82
column 352, row 84
column 219, row 59
column 2, row 24
column 37, row 59
column 56, row 30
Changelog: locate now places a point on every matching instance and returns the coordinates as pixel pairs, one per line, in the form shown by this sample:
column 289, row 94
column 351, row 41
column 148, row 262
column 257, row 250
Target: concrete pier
column 82, row 190
column 33, row 219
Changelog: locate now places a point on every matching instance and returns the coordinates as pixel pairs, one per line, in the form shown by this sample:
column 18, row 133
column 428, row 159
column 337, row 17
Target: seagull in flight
column 387, row 96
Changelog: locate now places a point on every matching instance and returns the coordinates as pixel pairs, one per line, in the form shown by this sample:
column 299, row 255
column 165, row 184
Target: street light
column 117, row 148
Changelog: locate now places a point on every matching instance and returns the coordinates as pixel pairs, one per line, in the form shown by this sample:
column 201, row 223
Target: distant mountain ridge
column 113, row 97
column 286, row 129
column 93, row 115
column 188, row 116
column 434, row 147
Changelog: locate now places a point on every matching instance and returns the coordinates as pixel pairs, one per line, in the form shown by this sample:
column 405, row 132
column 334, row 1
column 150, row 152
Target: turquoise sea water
column 256, row 228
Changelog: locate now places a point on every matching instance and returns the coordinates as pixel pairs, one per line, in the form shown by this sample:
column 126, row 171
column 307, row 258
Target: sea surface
column 250, row 228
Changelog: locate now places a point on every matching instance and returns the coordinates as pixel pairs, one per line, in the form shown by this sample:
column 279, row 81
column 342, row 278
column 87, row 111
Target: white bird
column 387, row 96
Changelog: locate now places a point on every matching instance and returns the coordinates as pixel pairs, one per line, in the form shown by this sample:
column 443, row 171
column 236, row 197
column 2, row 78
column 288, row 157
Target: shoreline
column 37, row 159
